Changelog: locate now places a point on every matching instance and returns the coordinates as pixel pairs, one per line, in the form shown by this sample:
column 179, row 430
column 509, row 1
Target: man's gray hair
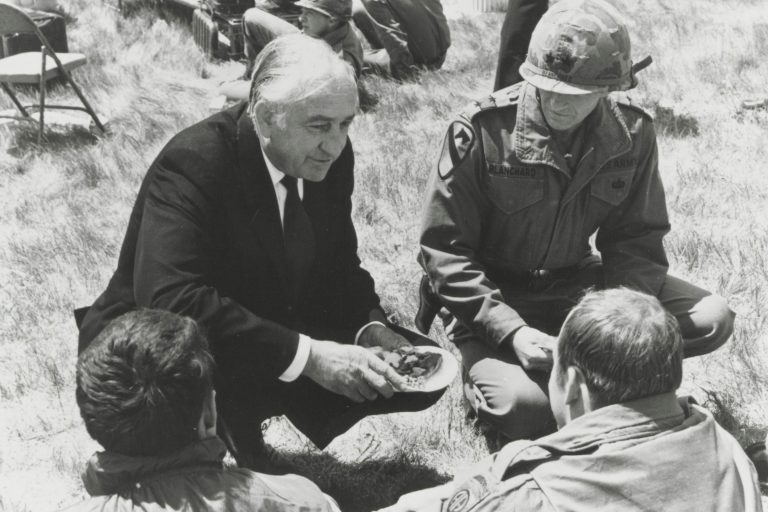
column 626, row 344
column 291, row 68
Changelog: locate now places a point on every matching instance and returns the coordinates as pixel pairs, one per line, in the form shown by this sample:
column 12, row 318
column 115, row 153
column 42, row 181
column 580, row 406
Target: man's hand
column 352, row 371
column 533, row 348
column 379, row 336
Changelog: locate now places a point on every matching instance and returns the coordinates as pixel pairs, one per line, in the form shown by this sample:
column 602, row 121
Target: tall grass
column 65, row 208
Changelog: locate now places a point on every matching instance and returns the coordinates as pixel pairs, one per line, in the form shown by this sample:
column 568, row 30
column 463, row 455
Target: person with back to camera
column 145, row 393
column 526, row 177
column 625, row 442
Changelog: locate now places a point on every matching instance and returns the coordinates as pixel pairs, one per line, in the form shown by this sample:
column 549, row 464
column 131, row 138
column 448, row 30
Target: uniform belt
column 535, row 279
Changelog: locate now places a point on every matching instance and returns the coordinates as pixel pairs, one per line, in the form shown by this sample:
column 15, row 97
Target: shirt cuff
column 360, row 332
column 299, row 360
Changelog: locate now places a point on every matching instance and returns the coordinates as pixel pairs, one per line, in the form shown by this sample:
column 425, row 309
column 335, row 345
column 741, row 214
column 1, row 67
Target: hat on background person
column 341, row 9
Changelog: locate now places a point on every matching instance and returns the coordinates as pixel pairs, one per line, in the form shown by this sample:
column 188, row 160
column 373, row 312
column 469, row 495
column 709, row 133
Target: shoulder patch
column 470, row 493
column 458, row 141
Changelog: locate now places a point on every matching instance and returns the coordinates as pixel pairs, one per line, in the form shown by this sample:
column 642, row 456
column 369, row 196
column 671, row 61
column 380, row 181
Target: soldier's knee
column 250, row 15
column 714, row 319
column 516, row 415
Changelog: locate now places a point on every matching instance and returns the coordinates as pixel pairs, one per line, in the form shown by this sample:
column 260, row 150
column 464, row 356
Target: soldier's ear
column 578, row 400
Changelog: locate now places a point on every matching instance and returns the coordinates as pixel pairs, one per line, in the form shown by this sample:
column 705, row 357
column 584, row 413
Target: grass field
column 65, row 207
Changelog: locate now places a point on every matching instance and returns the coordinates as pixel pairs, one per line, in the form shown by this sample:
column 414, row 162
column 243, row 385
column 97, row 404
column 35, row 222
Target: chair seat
column 24, row 68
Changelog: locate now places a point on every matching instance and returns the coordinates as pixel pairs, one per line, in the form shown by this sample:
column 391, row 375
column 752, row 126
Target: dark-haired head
column 143, row 382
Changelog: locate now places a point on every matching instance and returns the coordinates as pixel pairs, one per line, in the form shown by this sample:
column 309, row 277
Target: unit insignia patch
column 458, row 142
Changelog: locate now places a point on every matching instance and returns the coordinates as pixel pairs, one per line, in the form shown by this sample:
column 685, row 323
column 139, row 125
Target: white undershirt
column 305, row 342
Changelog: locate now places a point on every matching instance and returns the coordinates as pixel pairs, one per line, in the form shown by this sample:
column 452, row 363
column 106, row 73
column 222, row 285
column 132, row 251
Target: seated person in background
column 322, row 19
column 527, row 176
column 626, row 443
column 145, row 392
column 404, row 34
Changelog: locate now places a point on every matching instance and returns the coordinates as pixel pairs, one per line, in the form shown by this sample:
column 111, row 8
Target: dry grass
column 65, row 207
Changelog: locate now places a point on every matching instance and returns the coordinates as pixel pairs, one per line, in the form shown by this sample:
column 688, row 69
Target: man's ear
column 206, row 425
column 265, row 119
column 578, row 399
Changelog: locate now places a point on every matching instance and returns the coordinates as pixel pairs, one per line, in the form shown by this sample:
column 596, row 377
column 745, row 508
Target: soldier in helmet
column 328, row 20
column 526, row 177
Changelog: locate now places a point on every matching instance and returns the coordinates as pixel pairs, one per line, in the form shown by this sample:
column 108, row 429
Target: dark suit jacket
column 205, row 240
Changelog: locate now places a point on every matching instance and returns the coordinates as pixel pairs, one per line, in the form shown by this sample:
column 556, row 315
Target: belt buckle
column 539, row 279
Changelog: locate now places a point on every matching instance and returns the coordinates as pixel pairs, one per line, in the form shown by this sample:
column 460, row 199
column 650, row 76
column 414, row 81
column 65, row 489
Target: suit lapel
column 260, row 197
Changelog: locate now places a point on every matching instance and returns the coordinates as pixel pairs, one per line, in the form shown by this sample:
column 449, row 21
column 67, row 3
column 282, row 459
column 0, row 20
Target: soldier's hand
column 533, row 348
column 352, row 371
column 379, row 336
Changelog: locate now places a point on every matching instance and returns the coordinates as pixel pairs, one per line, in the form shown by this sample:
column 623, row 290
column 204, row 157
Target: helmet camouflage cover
column 579, row 47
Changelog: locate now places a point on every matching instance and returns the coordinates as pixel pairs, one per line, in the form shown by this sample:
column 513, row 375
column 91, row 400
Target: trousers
column 413, row 32
column 519, row 22
column 514, row 401
column 319, row 414
column 259, row 28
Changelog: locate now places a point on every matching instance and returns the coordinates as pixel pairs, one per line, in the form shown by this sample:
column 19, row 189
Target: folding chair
column 36, row 68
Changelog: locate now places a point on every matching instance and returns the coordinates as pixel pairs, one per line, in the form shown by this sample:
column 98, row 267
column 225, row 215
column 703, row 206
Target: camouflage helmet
column 579, row 47
column 341, row 9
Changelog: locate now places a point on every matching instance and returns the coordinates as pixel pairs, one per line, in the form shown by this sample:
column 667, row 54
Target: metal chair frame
column 15, row 21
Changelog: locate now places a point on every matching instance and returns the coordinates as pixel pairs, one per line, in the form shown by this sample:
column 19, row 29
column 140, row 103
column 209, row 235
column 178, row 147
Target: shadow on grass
column 23, row 140
column 675, row 124
column 368, row 99
column 169, row 11
column 724, row 407
column 367, row 485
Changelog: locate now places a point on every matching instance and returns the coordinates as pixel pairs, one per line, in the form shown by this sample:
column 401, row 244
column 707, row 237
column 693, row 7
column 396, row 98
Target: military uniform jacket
column 345, row 42
column 205, row 240
column 192, row 478
column 502, row 201
column 655, row 453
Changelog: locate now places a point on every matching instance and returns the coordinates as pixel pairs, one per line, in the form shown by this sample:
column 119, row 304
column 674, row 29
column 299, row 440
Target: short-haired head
column 142, row 383
column 625, row 343
column 292, row 68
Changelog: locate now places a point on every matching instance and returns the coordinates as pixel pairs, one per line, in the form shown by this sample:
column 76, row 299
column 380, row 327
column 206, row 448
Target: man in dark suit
column 243, row 222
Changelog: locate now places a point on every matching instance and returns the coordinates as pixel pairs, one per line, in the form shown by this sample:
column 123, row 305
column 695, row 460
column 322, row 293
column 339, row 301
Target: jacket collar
column 533, row 144
column 259, row 193
column 335, row 37
column 107, row 472
column 619, row 422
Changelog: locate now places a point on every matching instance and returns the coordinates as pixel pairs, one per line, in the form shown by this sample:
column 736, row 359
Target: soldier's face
column 306, row 139
column 566, row 111
column 314, row 23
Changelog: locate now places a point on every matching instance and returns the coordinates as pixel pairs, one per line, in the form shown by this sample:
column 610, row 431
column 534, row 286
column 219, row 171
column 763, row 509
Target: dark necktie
column 298, row 237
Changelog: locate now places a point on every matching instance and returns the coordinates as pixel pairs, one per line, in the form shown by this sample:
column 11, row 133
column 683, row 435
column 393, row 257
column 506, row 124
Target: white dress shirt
column 302, row 352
